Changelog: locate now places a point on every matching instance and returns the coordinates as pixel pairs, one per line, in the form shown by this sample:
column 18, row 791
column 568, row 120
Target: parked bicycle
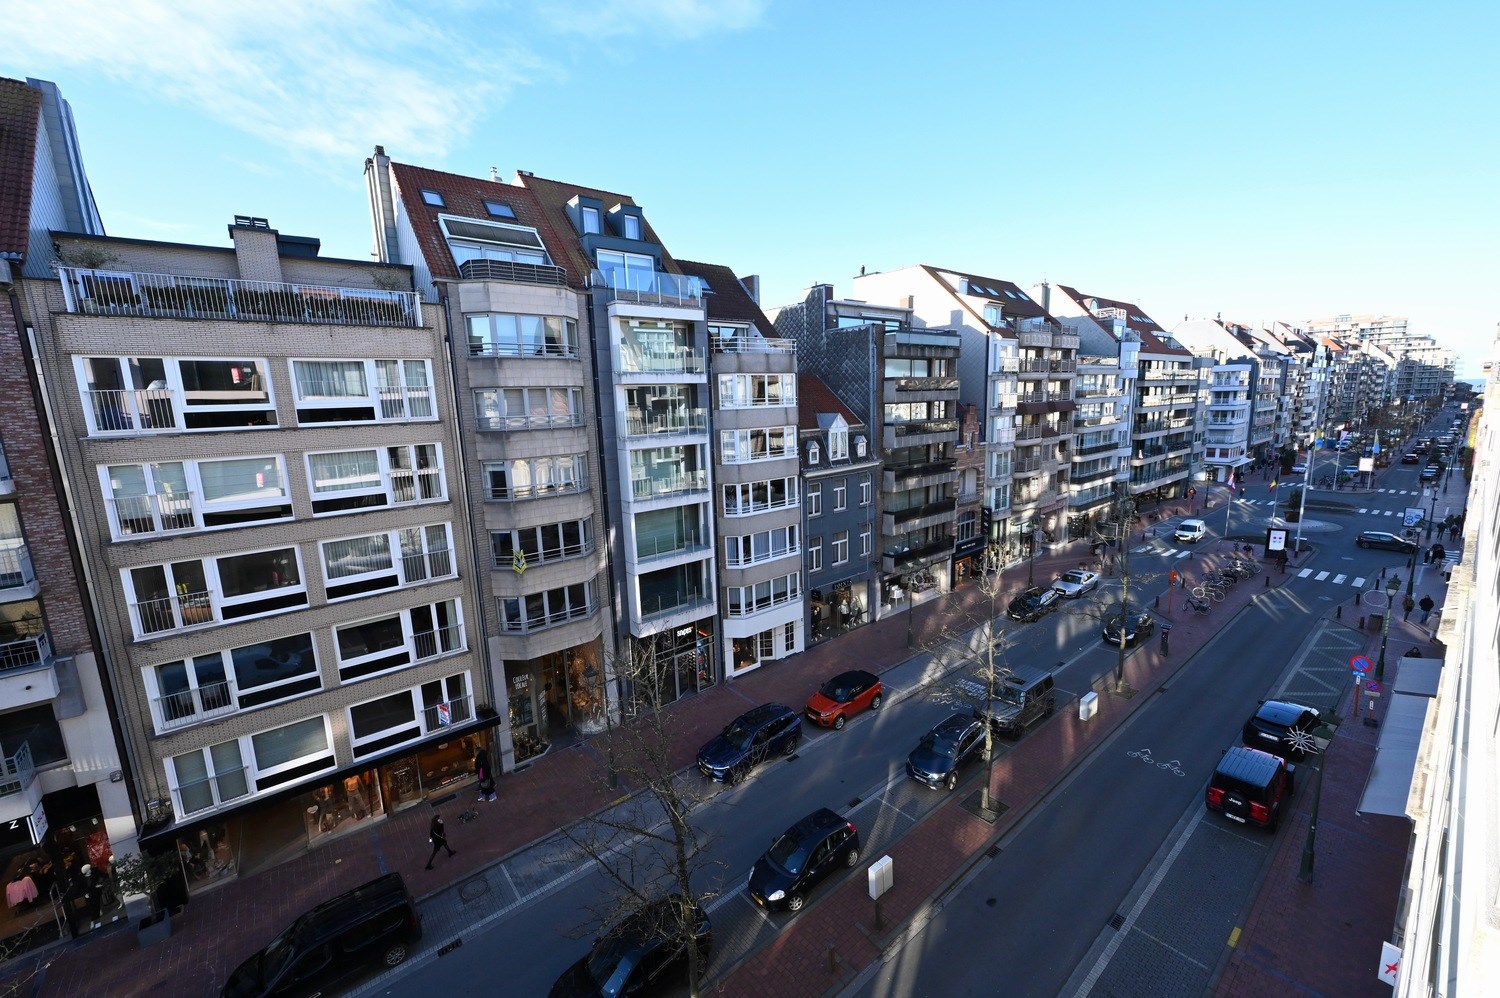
column 1199, row 606
column 1246, row 567
column 1206, row 592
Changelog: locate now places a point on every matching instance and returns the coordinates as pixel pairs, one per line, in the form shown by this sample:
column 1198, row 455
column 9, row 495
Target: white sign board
column 1276, row 539
column 1411, row 516
column 38, row 822
column 1390, row 963
column 882, row 875
column 1366, row 464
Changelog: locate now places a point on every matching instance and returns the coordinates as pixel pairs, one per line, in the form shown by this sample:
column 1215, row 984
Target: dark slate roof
column 1136, row 319
column 727, row 298
column 466, row 196
column 995, row 289
column 815, row 398
column 553, row 197
column 20, row 112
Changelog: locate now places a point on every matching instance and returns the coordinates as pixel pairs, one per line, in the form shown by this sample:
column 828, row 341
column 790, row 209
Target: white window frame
column 630, row 226
column 387, row 473
column 815, row 555
column 738, row 446
column 864, row 542
column 746, row 601
column 218, row 603
column 544, row 556
column 529, row 336
column 196, row 693
column 165, row 408
column 418, row 646
column 206, row 753
column 404, row 401
column 590, row 220
column 419, row 723
column 399, row 570
column 565, row 612
column 742, row 550
column 814, row 499
column 739, row 391
column 841, row 547
column 838, row 444
column 568, row 473
column 866, row 491
column 841, row 495
column 165, row 511
column 743, row 494
column 492, row 408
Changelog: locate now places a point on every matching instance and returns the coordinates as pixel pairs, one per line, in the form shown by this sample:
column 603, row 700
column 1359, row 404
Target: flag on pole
column 1231, row 479
column 1275, row 482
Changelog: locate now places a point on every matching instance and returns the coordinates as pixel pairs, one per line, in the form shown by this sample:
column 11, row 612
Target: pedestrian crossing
column 1358, row 581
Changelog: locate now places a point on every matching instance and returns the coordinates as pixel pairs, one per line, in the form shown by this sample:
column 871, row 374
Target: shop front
column 56, row 863
column 682, row 663
column 556, row 699
column 840, row 607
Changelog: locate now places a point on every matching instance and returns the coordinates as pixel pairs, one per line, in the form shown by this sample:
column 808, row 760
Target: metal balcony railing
column 156, row 513
column 188, row 707
column 25, row 653
column 439, row 641
column 170, row 613
column 512, row 272
column 530, row 421
column 751, row 344
column 434, row 564
column 16, row 771
column 644, row 423
column 677, row 360
column 170, row 296
column 656, row 487
column 448, row 713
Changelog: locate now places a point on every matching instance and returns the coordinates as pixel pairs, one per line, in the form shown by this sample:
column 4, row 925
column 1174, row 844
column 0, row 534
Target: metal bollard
column 1357, row 597
column 1268, row 582
column 833, row 965
column 1157, row 603
column 1339, row 613
column 1361, row 623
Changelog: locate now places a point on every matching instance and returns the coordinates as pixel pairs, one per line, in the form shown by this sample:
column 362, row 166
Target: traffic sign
column 1360, row 664
column 1372, row 688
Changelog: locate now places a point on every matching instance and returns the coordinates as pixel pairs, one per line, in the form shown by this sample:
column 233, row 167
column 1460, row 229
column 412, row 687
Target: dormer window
column 992, row 314
column 860, row 446
column 433, row 198
column 473, row 239
column 814, row 453
column 630, row 226
column 589, row 219
column 838, row 443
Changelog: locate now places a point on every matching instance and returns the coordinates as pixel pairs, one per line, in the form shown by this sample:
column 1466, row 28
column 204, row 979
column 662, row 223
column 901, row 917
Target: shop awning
column 1389, row 783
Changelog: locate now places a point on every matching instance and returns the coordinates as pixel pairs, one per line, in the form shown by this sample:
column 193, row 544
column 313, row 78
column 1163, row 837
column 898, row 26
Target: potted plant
column 138, row 878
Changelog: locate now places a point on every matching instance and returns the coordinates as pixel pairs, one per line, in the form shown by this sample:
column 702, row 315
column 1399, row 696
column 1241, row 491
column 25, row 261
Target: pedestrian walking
column 1426, row 604
column 438, row 836
column 483, row 774
column 1439, row 554
column 1407, row 606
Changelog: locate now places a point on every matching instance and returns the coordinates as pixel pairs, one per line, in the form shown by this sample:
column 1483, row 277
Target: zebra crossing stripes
column 1182, row 554
column 1358, row 583
column 1338, row 580
column 1321, row 576
column 1304, row 573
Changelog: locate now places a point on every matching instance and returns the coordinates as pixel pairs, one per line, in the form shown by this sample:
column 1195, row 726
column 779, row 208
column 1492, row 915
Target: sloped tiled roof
column 20, row 112
column 1148, row 329
column 466, row 196
column 1016, row 303
column 815, row 398
column 553, row 197
column 727, row 298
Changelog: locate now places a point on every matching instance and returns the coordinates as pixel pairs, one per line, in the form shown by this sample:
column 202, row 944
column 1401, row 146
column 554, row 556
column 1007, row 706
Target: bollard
column 833, row 966
column 1382, row 573
column 1339, row 613
column 1361, row 623
column 1357, row 597
column 1157, row 602
column 1268, row 582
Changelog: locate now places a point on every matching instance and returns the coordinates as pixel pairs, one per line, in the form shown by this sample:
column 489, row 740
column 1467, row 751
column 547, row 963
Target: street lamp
column 1031, row 556
column 1431, row 508
column 1392, row 586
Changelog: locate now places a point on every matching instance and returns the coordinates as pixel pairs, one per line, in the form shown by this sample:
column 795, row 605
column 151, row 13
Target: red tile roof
column 1022, row 305
column 466, row 196
column 815, row 398
column 1136, row 319
column 20, row 112
column 553, row 197
column 727, row 298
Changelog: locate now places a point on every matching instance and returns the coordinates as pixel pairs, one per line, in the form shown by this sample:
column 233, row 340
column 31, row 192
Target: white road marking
column 1320, row 577
column 1338, row 580
column 1358, row 583
column 1182, row 554
column 1304, row 573
column 1365, row 510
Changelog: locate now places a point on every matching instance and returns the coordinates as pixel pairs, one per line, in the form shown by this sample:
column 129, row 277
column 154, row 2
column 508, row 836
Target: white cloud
column 675, row 19
column 325, row 80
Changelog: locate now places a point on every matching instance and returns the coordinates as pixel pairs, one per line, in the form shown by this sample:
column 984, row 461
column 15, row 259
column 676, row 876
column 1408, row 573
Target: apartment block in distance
column 262, row 450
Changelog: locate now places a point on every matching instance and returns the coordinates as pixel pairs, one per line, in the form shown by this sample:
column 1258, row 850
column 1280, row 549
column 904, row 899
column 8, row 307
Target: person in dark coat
column 438, row 836
column 484, row 774
column 1426, row 604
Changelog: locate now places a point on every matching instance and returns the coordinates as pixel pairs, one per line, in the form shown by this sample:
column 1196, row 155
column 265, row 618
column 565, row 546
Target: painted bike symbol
column 1173, row 767
column 1142, row 754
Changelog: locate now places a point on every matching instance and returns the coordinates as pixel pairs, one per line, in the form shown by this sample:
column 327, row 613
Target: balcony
column 20, row 794
column 194, row 706
column 915, row 476
column 1098, row 392
column 1091, row 495
column 647, row 288
column 911, row 559
column 28, row 673
column 7, row 484
column 652, row 365
column 530, row 421
column 919, row 389
column 930, row 514
column 655, row 551
column 646, row 488
column 165, row 296
column 751, row 344
column 671, row 607
column 1099, row 448
column 513, row 273
column 17, row 580
column 915, row 432
column 644, row 423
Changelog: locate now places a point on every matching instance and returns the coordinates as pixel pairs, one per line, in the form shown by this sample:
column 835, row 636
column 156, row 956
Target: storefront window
column 209, row 855
column 341, row 806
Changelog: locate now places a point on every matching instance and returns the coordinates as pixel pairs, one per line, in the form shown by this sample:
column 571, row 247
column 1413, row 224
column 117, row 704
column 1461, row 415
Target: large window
column 528, row 408
column 741, row 446
column 209, row 685
column 745, row 391
column 131, row 395
column 627, row 271
column 208, row 777
column 751, row 549
column 275, row 670
column 741, row 601
column 189, row 593
column 358, row 391
column 757, row 497
column 349, row 481
column 404, row 717
column 144, row 500
column 532, row 478
column 396, row 640
column 506, row 335
column 355, row 566
column 547, row 609
column 283, row 755
column 539, row 545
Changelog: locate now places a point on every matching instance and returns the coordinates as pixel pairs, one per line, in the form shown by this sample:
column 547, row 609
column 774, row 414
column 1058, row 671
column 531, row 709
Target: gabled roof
column 727, row 298
column 815, row 398
column 1008, row 294
column 466, row 196
column 1136, row 320
column 20, row 113
column 553, row 197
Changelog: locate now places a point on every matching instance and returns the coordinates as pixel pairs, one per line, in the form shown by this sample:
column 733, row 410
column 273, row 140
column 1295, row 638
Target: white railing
column 25, row 652
column 420, row 485
column 119, row 410
column 16, row 771
column 15, row 569
column 154, row 513
column 639, row 423
column 434, row 564
column 399, row 402
column 753, row 607
column 170, row 296
column 171, row 613
column 775, row 552
column 751, row 343
column 188, row 707
column 440, row 641
column 531, row 421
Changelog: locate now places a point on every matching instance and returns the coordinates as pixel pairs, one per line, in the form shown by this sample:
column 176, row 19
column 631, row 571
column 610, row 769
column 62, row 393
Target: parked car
column 1139, row 627
column 1283, row 728
column 1300, row 468
column 1189, row 531
column 1076, row 583
column 1430, row 473
column 1411, row 458
column 1033, row 604
column 1018, row 700
column 373, row 925
column 1386, row 541
column 801, row 858
column 956, row 741
column 641, row 953
column 760, row 733
column 843, row 696
column 1249, row 786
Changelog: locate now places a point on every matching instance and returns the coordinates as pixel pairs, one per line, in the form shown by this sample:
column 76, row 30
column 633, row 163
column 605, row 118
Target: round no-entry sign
column 1360, row 664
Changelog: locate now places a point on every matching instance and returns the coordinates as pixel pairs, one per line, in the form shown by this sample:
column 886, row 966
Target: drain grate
column 1117, row 921
column 993, row 851
column 447, row 948
column 856, row 802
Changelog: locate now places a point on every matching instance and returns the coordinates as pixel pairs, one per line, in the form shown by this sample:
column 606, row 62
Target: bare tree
column 646, row 844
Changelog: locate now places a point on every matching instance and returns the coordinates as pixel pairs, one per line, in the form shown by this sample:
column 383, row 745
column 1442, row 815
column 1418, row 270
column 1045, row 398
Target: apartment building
column 899, row 379
column 262, row 451
column 1019, row 365
column 840, row 475
column 973, row 522
column 522, row 367
column 65, row 787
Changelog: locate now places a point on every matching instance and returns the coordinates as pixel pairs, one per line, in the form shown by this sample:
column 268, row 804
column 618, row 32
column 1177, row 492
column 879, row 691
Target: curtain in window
column 295, row 741
column 242, row 478
column 330, row 378
column 345, row 471
column 193, row 789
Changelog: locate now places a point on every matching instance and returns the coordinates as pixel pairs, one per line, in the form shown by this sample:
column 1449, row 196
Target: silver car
column 1075, row 583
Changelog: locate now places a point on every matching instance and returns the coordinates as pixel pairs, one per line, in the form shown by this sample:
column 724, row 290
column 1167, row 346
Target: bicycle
column 1199, row 606
column 1246, row 567
column 1209, row 592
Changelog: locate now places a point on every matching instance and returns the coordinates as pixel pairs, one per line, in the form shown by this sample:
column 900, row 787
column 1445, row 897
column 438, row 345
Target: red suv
column 844, row 695
column 1250, row 786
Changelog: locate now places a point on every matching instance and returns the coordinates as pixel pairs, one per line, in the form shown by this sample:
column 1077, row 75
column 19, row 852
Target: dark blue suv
column 768, row 730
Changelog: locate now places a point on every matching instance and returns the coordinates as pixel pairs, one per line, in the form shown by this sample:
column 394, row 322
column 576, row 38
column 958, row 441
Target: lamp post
column 1310, row 847
column 1030, row 554
column 1431, row 507
column 1392, row 586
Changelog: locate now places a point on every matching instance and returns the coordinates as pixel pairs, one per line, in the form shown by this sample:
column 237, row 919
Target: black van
column 1018, row 700
column 1249, row 786
column 373, row 925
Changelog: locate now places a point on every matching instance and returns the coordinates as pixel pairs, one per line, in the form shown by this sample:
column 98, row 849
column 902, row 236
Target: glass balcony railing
column 645, row 287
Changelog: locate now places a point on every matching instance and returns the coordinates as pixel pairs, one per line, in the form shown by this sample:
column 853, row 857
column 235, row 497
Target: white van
column 1191, row 530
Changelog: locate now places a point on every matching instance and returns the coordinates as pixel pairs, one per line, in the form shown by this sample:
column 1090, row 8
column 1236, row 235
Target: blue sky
column 1275, row 161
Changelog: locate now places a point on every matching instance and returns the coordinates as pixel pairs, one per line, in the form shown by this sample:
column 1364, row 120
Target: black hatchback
column 1284, row 729
column 957, row 741
column 803, row 857
column 762, row 732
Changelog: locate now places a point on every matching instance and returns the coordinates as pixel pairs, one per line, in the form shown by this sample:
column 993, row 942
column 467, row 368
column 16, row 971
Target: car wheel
column 395, row 955
column 852, row 858
column 875, row 704
column 1362, row 543
column 791, row 747
column 838, row 723
column 951, row 782
column 794, row 902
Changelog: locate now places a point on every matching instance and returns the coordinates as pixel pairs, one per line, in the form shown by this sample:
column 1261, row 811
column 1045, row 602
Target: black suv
column 1033, row 604
column 801, row 858
column 767, row 730
column 1249, row 786
column 1020, row 699
column 957, row 740
column 373, row 925
column 1284, row 729
column 1141, row 626
column 645, row 951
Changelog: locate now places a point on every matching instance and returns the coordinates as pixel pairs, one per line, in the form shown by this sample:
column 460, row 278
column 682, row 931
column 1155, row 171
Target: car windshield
column 739, row 733
column 274, row 958
column 606, row 958
column 940, row 743
column 1009, row 694
column 836, row 690
column 1073, row 577
column 788, row 853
